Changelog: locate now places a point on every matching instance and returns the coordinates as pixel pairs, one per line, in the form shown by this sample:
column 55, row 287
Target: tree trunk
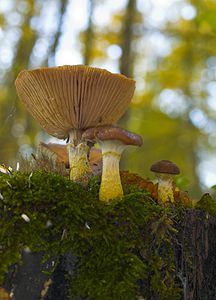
column 89, row 36
column 126, row 61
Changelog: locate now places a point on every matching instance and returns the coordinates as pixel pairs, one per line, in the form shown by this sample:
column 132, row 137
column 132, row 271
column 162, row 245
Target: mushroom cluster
column 58, row 154
column 82, row 104
column 67, row 100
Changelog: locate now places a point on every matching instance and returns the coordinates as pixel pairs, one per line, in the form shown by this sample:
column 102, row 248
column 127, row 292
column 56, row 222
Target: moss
column 207, row 203
column 124, row 248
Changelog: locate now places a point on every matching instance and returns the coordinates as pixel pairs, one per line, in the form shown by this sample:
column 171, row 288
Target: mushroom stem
column 75, row 136
column 165, row 188
column 80, row 170
column 111, row 182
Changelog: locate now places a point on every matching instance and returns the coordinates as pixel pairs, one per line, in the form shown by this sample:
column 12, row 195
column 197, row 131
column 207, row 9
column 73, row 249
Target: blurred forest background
column 168, row 46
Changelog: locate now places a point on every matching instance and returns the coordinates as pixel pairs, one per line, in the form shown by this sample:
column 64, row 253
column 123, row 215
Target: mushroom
column 58, row 154
column 68, row 99
column 113, row 141
column 165, row 170
column 58, row 151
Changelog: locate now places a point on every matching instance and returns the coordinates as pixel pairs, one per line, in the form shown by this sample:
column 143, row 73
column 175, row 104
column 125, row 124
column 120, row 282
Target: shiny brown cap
column 74, row 97
column 112, row 133
column 165, row 166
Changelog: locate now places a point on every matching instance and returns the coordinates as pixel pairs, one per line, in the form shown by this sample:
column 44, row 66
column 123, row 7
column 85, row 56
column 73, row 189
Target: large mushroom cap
column 74, row 97
column 166, row 167
column 112, row 133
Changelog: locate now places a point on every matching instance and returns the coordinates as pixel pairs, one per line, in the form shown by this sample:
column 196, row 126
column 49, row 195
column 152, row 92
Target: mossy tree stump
column 130, row 249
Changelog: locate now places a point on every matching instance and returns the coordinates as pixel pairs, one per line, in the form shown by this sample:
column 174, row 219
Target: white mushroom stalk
column 111, row 186
column 165, row 188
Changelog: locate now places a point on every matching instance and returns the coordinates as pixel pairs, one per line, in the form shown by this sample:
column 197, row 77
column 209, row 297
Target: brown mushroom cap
column 59, row 150
column 165, row 166
column 112, row 133
column 74, row 97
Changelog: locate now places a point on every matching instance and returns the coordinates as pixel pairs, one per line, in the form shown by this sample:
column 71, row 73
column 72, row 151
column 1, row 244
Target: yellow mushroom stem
column 80, row 170
column 111, row 186
column 165, row 188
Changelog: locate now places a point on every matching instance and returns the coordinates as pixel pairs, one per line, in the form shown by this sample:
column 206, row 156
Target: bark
column 127, row 60
column 126, row 63
column 197, row 245
column 89, row 36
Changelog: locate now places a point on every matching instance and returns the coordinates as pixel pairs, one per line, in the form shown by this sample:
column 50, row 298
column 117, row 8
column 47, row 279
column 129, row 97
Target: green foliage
column 208, row 17
column 208, row 204
column 124, row 248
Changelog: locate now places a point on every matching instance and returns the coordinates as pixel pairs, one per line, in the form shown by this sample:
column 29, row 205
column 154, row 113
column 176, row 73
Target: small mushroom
column 68, row 99
column 113, row 141
column 165, row 170
column 58, row 154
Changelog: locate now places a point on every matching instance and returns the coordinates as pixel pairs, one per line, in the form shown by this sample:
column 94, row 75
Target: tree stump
column 195, row 265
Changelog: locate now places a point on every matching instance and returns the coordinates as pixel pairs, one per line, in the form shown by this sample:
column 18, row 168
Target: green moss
column 124, row 248
column 208, row 204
